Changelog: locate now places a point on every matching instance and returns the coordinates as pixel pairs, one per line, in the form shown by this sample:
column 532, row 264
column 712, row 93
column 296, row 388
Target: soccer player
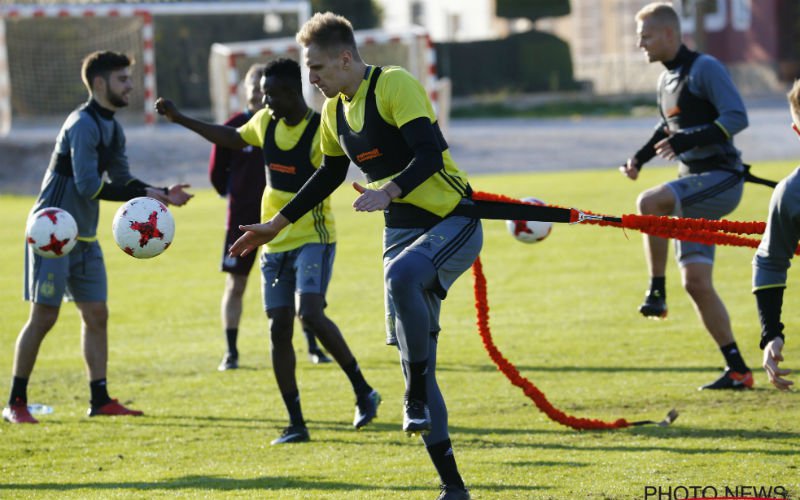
column 701, row 111
column 772, row 260
column 88, row 164
column 300, row 262
column 382, row 120
column 238, row 174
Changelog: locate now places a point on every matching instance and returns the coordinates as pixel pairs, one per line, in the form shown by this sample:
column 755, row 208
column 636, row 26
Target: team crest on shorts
column 47, row 289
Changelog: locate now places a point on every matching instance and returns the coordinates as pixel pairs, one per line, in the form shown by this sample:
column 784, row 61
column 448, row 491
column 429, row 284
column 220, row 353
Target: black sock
column 445, row 462
column 312, row 340
column 231, row 334
column 19, row 390
column 417, row 372
column 292, row 402
column 360, row 385
column 734, row 358
column 658, row 284
column 99, row 392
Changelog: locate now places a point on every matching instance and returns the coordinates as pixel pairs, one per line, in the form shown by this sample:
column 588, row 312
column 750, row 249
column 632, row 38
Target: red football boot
column 113, row 408
column 17, row 413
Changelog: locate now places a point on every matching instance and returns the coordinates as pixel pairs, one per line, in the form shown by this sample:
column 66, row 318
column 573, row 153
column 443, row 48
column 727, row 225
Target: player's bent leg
column 315, row 352
column 312, row 316
column 408, row 277
column 659, row 200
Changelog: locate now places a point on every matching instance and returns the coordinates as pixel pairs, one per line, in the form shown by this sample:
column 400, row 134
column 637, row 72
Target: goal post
column 411, row 49
column 42, row 79
column 41, row 47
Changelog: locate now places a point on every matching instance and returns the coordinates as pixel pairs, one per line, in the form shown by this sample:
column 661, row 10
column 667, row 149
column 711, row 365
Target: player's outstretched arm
column 772, row 357
column 258, row 234
column 222, row 135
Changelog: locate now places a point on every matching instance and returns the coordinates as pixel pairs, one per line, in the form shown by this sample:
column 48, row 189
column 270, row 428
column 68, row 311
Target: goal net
column 411, row 49
column 42, row 46
column 44, row 50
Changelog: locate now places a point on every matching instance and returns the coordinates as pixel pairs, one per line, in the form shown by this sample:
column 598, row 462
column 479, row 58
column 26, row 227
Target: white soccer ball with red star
column 530, row 231
column 51, row 232
column 143, row 227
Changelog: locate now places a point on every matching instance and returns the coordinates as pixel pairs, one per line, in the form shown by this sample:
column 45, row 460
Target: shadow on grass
column 709, row 433
column 546, row 463
column 489, row 367
column 218, row 483
column 476, row 440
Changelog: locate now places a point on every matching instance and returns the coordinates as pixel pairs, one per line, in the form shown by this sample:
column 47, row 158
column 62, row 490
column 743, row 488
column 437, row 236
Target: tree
column 363, row 14
column 532, row 10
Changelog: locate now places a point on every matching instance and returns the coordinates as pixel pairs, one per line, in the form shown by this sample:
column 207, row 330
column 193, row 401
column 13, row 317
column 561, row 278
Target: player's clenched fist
column 166, row 108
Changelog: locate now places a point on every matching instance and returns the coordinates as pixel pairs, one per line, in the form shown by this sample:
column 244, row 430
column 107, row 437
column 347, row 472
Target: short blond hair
column 328, row 31
column 661, row 12
column 794, row 102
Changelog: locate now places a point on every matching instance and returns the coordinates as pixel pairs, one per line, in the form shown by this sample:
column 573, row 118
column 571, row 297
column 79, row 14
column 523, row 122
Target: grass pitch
column 563, row 311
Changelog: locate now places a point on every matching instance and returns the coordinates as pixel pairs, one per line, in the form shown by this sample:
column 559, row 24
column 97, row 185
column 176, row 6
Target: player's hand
column 177, row 196
column 773, row 356
column 167, row 109
column 664, row 149
column 630, row 169
column 257, row 234
column 371, row 200
column 156, row 193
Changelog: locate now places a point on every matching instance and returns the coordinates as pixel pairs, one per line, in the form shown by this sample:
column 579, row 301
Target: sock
column 445, row 462
column 312, row 340
column 360, row 385
column 417, row 372
column 658, row 284
column 19, row 390
column 231, row 334
column 292, row 402
column 733, row 357
column 99, row 392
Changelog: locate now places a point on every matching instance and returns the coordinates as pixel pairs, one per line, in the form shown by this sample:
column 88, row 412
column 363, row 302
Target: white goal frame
column 147, row 11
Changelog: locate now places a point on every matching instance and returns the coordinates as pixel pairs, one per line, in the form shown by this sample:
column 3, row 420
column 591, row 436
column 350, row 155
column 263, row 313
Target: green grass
column 564, row 311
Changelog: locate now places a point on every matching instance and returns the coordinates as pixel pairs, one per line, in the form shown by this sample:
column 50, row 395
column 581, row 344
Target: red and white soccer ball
column 143, row 227
column 51, row 232
column 530, row 231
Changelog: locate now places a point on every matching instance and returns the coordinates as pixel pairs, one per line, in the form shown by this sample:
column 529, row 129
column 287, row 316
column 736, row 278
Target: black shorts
column 236, row 265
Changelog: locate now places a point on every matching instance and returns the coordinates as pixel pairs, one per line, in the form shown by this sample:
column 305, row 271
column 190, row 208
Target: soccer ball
column 530, row 231
column 51, row 232
column 143, row 227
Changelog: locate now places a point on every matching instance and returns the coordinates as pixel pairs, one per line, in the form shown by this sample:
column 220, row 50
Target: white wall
column 447, row 20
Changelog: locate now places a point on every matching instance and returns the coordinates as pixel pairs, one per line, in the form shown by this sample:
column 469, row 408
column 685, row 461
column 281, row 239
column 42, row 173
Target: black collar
column 683, row 55
column 105, row 113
